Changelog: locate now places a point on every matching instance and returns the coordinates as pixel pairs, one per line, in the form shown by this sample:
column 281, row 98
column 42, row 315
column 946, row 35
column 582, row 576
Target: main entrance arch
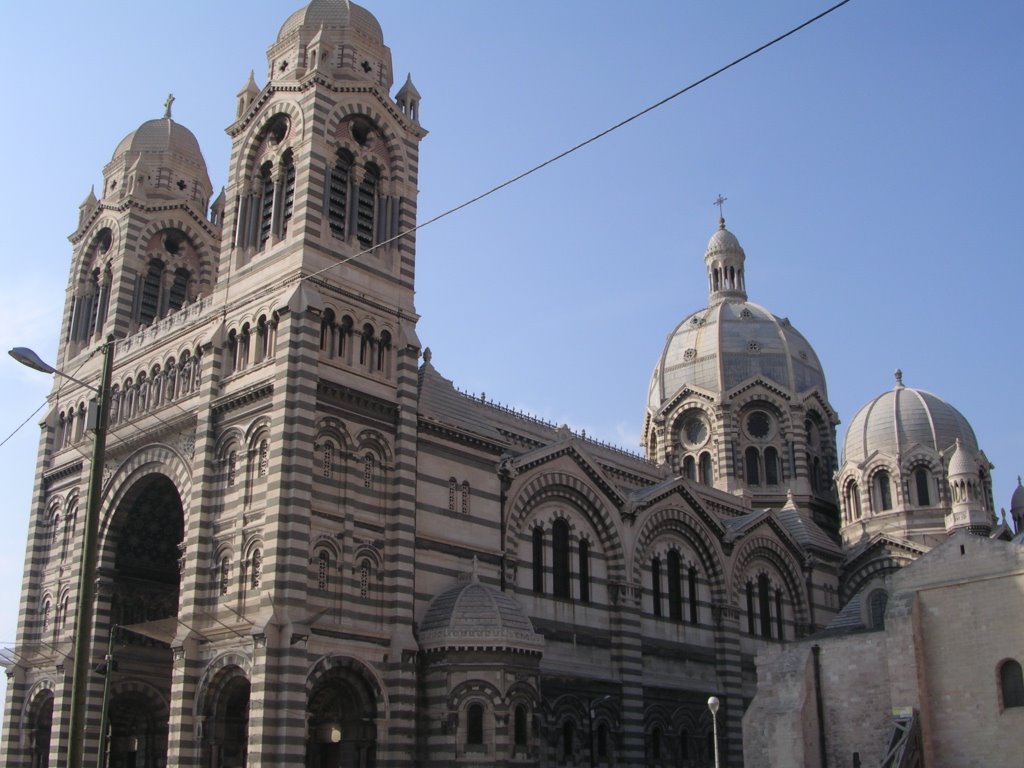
column 342, row 714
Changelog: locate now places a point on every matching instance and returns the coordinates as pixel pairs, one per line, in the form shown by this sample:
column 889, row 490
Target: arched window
column 344, row 334
column 750, row 608
column 338, row 194
column 225, row 575
column 689, row 468
column 452, row 486
column 692, row 579
column 232, row 468
column 288, row 192
column 675, row 596
column 560, row 558
column 383, row 351
column 538, row 560
column 364, row 578
column 656, row 586
column 148, row 301
column 853, row 501
column 519, row 726
column 1011, row 684
column 262, row 339
column 706, row 476
column 656, row 744
column 266, row 191
column 883, row 489
column 771, row 466
column 178, row 294
column 366, row 206
column 328, row 465
column 779, row 622
column 366, row 345
column 751, row 461
column 475, row 724
column 256, row 569
column 684, row 745
column 46, row 616
column 764, row 605
column 323, row 570
column 465, row 497
column 921, row 483
column 602, row 742
column 876, row 606
column 368, row 470
column 568, row 732
column 584, row 557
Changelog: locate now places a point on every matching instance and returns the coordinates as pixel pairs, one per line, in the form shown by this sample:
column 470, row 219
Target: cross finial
column 167, row 105
column 899, row 378
column 720, row 201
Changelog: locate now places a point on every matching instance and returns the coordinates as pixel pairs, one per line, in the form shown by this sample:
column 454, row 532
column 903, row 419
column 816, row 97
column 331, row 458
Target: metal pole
column 107, row 675
column 87, row 570
column 713, row 705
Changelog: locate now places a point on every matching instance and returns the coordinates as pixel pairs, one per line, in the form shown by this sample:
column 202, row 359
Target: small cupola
column 408, row 99
column 724, row 259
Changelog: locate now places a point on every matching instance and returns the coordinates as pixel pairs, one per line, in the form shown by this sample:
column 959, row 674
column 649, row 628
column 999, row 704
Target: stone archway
column 40, row 723
column 226, row 720
column 146, row 531
column 341, row 713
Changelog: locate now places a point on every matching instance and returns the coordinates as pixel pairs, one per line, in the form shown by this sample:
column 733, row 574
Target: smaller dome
column 962, row 462
column 1017, row 500
column 474, row 615
column 162, row 135
column 723, row 241
column 897, row 420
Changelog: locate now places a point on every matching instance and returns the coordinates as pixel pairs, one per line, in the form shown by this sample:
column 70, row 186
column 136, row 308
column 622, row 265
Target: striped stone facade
column 290, row 483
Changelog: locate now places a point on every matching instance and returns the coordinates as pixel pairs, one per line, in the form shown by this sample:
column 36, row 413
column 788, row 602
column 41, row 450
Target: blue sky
column 872, row 165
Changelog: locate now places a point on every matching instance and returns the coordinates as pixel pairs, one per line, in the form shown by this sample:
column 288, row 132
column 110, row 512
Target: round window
column 759, row 425
column 694, row 431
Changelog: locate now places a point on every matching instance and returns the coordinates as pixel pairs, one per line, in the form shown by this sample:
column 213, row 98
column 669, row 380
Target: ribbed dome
column 333, row 13
column 962, row 462
column 1017, row 500
column 722, row 346
column 478, row 616
column 723, row 241
column 162, row 135
column 901, row 418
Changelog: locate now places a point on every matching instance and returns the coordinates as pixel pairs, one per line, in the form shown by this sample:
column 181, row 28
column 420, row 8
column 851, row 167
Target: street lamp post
column 87, row 572
column 713, row 705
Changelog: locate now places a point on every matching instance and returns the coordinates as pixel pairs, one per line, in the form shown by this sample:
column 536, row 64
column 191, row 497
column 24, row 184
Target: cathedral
column 313, row 549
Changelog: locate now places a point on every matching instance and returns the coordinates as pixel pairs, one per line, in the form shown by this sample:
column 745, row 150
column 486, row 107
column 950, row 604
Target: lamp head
column 26, row 356
column 713, row 704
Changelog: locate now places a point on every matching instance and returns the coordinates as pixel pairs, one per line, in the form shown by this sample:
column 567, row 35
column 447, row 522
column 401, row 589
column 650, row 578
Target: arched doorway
column 144, row 538
column 342, row 730
column 41, row 725
column 226, row 729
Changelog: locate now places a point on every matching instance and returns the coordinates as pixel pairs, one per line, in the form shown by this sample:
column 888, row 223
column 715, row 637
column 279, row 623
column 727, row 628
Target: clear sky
column 861, row 159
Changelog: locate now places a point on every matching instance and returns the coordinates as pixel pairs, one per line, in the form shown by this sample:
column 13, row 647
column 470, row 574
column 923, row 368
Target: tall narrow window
column 337, row 202
column 771, row 466
column 921, row 481
column 751, row 465
column 690, row 468
column 288, row 190
column 877, row 604
column 225, row 575
column 692, row 581
column 179, row 289
column 46, row 616
column 364, row 578
column 266, row 204
column 706, row 476
column 684, row 745
column 520, row 725
column 884, row 491
column 232, row 467
column 366, row 345
column 567, row 738
column 465, row 497
column 584, row 554
column 328, row 467
column 323, row 569
column 560, row 558
column 344, row 336
column 1011, row 684
column 452, row 486
column 602, row 742
column 264, row 458
column 750, row 608
column 149, row 301
column 656, row 744
column 538, row 560
column 764, row 605
column 475, row 724
column 779, row 622
column 383, row 350
column 327, row 331
column 256, row 569
column 366, row 206
column 675, row 595
column 368, row 470
column 656, row 585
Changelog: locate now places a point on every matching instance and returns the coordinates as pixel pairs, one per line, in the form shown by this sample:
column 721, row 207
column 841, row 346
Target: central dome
column 333, row 13
column 732, row 340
